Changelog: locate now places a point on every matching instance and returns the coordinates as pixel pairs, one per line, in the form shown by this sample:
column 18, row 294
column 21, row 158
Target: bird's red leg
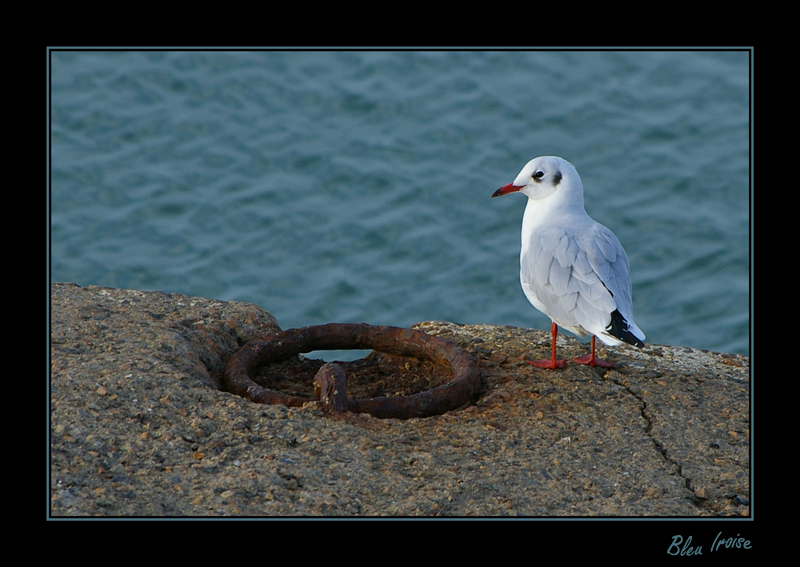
column 591, row 360
column 553, row 363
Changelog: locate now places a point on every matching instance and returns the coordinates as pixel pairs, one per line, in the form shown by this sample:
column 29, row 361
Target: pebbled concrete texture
column 140, row 426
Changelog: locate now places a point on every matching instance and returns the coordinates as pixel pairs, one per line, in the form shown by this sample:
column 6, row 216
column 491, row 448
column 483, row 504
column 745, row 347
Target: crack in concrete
column 648, row 429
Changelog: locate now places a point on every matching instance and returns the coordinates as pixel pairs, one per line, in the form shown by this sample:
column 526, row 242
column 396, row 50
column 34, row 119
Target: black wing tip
column 619, row 328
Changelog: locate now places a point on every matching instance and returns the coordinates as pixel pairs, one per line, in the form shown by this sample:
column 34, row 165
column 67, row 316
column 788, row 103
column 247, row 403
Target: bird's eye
column 538, row 175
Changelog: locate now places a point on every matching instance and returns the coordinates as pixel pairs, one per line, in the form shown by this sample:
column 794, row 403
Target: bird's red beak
column 506, row 189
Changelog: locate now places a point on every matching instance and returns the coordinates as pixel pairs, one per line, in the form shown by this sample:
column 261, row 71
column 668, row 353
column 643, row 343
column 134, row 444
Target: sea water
column 354, row 186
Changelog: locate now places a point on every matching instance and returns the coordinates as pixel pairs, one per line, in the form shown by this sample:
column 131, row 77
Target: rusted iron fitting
column 330, row 382
column 330, row 387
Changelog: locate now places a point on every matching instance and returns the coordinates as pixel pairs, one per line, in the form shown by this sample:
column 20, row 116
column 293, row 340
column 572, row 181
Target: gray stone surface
column 139, row 426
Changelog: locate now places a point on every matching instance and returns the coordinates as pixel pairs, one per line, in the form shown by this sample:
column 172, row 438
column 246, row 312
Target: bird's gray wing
column 578, row 276
column 609, row 261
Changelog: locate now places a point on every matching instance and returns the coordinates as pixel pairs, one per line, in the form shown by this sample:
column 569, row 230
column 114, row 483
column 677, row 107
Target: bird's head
column 542, row 177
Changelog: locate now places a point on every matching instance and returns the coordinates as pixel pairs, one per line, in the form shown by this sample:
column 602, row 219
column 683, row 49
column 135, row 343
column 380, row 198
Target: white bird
column 572, row 268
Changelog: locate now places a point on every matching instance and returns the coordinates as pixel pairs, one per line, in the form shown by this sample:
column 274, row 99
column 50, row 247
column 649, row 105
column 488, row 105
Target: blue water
column 355, row 186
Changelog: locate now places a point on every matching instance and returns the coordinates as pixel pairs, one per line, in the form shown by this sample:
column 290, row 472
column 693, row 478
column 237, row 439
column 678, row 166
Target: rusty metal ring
column 336, row 336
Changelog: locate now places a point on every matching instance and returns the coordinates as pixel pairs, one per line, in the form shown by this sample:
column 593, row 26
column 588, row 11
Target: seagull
column 572, row 268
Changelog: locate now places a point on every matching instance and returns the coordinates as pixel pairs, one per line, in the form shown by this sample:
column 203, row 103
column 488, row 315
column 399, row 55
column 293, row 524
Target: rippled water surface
column 355, row 186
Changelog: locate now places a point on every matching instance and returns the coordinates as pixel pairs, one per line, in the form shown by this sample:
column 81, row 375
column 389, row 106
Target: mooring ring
column 337, row 336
